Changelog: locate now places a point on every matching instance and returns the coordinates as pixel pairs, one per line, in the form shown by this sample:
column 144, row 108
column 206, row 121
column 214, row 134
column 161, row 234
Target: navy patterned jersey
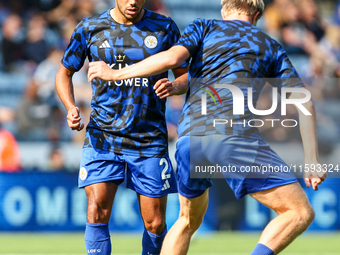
column 235, row 53
column 127, row 117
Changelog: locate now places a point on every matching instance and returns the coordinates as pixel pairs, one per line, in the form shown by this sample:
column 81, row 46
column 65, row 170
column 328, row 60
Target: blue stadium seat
column 12, row 87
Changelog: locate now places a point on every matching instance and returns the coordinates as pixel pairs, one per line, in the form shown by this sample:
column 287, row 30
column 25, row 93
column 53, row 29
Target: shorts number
column 165, row 176
column 166, row 167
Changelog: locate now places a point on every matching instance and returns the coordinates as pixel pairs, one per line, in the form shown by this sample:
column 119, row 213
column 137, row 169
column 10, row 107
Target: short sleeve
column 75, row 52
column 175, row 35
column 192, row 36
column 284, row 71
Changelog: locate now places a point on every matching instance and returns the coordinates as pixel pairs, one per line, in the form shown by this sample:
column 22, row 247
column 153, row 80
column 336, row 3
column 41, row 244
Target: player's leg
column 193, row 197
column 152, row 210
column 100, row 198
column 190, row 218
column 295, row 214
column 100, row 174
column 279, row 190
column 153, row 179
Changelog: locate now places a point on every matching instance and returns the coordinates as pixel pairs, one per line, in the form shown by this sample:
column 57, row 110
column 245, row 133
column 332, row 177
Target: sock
column 152, row 243
column 261, row 249
column 97, row 239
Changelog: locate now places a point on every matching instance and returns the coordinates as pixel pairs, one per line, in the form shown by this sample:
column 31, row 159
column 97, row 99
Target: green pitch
column 226, row 243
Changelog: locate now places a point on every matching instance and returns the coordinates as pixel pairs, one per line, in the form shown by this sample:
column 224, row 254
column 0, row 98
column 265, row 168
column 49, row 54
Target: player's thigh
column 194, row 209
column 100, row 198
column 101, row 194
column 284, row 198
column 98, row 166
column 189, row 155
column 249, row 165
column 152, row 209
column 100, row 174
column 151, row 177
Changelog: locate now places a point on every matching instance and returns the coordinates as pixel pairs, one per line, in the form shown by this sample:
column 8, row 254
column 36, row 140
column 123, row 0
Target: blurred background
column 39, row 154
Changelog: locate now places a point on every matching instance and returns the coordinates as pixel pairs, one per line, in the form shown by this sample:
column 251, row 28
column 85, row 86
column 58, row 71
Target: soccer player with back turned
column 127, row 129
column 232, row 49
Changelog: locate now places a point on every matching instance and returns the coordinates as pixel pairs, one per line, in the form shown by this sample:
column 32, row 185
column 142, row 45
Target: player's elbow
column 302, row 102
column 176, row 56
column 58, row 79
column 63, row 74
column 173, row 61
column 309, row 106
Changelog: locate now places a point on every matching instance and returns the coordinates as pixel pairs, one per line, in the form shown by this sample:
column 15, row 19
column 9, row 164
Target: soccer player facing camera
column 126, row 137
column 232, row 49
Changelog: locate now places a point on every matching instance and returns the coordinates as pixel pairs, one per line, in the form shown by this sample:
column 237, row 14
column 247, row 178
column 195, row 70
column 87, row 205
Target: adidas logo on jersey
column 166, row 185
column 105, row 44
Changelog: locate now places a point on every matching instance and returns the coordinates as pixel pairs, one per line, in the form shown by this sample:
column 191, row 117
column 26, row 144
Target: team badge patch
column 82, row 174
column 151, row 42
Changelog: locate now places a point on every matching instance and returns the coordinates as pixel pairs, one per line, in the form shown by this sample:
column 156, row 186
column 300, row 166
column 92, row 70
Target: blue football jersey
column 229, row 52
column 127, row 118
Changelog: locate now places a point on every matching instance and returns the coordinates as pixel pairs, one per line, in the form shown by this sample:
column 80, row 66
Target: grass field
column 226, row 243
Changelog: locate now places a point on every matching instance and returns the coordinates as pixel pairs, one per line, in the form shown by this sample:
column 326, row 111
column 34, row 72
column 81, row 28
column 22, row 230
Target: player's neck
column 120, row 18
column 242, row 17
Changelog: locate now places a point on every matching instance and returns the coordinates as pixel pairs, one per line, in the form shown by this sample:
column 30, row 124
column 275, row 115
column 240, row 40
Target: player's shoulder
column 158, row 19
column 270, row 42
column 253, row 31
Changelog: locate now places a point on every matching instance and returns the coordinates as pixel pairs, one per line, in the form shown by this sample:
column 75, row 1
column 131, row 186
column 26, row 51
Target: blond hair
column 245, row 7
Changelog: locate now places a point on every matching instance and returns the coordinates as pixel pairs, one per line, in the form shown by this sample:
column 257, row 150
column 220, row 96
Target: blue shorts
column 248, row 165
column 151, row 177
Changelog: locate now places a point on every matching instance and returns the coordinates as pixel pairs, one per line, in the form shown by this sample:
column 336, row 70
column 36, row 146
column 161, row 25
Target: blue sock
column 152, row 243
column 261, row 249
column 97, row 239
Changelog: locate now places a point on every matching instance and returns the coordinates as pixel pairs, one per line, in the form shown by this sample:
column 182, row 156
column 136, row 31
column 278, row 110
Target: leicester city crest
column 151, row 42
column 82, row 174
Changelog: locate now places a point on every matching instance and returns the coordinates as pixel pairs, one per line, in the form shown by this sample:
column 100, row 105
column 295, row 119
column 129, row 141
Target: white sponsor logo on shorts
column 82, row 174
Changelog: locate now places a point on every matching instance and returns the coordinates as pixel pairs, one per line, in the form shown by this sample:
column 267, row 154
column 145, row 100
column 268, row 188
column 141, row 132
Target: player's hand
column 73, row 119
column 99, row 69
column 164, row 88
column 314, row 175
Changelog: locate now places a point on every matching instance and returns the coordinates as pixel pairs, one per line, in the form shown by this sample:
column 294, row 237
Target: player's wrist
column 72, row 107
column 311, row 157
column 114, row 76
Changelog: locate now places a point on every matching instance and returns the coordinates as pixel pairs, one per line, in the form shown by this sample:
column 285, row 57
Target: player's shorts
column 248, row 165
column 151, row 177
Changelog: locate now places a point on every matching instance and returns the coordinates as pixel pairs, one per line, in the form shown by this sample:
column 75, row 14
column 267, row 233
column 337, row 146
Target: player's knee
column 156, row 225
column 305, row 216
column 193, row 221
column 309, row 215
column 97, row 214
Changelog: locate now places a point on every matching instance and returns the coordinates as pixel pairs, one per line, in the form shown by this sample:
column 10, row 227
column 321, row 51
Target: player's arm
column 153, row 65
column 181, row 82
column 285, row 70
column 64, row 87
column 165, row 88
column 310, row 144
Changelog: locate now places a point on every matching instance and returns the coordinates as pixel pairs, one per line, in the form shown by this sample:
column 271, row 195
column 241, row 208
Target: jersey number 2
column 165, row 176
